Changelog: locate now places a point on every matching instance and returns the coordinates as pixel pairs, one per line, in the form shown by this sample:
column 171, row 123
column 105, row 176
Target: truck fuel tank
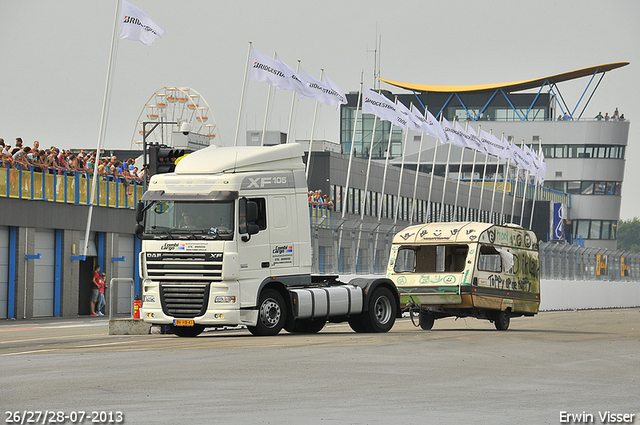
column 330, row 301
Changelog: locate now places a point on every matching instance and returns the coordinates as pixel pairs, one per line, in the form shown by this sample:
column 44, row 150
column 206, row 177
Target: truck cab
column 226, row 241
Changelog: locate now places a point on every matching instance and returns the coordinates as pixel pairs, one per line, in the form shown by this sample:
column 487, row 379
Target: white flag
column 496, row 146
column 434, row 128
column 472, row 139
column 542, row 172
column 383, row 108
column 453, row 135
column 277, row 73
column 411, row 122
column 520, row 158
column 137, row 25
column 327, row 92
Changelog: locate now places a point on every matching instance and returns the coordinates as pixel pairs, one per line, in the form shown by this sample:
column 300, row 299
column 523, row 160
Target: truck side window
column 489, row 259
column 262, row 214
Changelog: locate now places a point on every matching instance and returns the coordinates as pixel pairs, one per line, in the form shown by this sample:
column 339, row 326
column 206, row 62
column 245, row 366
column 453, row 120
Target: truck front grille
column 184, row 266
column 184, row 300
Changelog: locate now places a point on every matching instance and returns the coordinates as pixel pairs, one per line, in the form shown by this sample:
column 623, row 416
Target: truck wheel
column 426, row 321
column 306, row 326
column 382, row 312
column 502, row 320
column 272, row 314
column 187, row 331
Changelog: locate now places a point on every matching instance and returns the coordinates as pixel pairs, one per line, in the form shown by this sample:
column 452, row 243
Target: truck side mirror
column 252, row 212
column 139, row 229
column 140, row 212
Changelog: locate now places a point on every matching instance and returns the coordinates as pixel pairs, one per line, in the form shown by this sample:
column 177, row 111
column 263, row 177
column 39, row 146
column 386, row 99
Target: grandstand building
column 585, row 156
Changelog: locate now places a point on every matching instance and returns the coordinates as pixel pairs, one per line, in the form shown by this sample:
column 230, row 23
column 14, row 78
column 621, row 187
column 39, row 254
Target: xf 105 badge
column 268, row 181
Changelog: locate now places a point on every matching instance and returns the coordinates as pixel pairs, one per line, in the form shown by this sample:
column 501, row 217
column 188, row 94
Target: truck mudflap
column 370, row 285
column 330, row 301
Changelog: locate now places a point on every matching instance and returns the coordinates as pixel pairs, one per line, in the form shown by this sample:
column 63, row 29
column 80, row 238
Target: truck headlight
column 149, row 298
column 225, row 299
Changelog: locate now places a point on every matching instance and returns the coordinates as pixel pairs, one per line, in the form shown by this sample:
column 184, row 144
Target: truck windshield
column 190, row 220
column 431, row 259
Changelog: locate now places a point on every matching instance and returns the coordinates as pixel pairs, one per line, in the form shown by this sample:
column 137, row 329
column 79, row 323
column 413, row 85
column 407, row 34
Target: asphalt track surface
column 463, row 372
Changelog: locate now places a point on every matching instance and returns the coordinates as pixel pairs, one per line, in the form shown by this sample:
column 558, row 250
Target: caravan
column 466, row 269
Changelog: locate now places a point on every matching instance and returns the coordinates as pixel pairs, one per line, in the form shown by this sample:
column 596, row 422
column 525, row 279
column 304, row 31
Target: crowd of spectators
column 316, row 198
column 616, row 116
column 60, row 161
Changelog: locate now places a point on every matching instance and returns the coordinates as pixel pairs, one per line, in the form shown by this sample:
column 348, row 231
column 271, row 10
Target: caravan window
column 489, row 259
column 431, row 259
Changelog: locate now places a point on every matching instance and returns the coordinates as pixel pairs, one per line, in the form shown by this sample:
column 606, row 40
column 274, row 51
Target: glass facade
column 595, row 229
column 584, row 151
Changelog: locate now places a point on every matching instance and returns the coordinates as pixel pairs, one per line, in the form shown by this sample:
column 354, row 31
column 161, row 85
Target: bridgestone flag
column 432, row 126
column 326, row 92
column 136, row 25
column 378, row 105
column 277, row 73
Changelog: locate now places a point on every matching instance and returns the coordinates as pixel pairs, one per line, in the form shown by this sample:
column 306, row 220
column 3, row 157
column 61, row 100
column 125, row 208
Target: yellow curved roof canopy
column 512, row 86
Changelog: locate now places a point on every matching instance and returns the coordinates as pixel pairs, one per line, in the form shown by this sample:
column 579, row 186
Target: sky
column 55, row 55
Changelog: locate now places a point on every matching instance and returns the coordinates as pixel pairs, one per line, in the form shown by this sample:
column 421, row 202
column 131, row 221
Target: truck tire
column 381, row 314
column 187, row 331
column 502, row 320
column 306, row 326
column 426, row 320
column 272, row 314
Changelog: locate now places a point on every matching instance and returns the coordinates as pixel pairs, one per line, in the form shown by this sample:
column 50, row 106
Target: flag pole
column 244, row 85
column 495, row 180
column 293, row 102
column 433, row 169
column 363, row 203
column 404, row 150
column 446, row 174
column 415, row 182
column 266, row 109
column 513, row 203
column 384, row 181
column 535, row 191
column 473, row 169
column 484, row 176
column 505, row 176
column 103, row 121
column 353, row 140
column 313, row 127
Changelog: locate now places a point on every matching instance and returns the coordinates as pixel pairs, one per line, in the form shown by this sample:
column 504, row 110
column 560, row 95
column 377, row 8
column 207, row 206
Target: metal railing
column 68, row 186
column 350, row 247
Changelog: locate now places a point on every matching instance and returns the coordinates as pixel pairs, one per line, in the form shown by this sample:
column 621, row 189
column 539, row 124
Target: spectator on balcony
column 18, row 146
column 20, row 157
column 599, row 116
column 606, row 116
column 622, row 117
column 616, row 115
column 40, row 161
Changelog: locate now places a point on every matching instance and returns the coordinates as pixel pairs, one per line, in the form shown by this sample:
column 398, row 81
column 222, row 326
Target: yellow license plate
column 183, row 322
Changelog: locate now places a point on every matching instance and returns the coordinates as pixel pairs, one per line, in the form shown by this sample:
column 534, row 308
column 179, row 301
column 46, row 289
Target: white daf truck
column 226, row 241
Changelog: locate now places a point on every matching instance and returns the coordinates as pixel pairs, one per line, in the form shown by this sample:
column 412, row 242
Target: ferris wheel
column 174, row 104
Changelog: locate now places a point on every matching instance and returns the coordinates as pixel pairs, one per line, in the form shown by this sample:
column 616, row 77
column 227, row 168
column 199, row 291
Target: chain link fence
column 349, row 246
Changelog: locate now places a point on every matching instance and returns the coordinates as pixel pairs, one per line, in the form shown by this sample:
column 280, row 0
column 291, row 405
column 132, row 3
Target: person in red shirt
column 95, row 290
column 101, row 301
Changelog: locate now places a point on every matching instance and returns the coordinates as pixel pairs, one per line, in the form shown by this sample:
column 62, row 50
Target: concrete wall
column 581, row 294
